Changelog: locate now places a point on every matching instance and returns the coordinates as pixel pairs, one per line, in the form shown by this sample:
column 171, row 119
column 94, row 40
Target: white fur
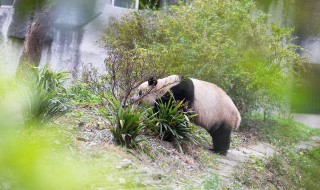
column 151, row 93
column 213, row 105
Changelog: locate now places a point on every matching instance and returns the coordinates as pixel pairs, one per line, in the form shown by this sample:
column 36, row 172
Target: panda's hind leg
column 221, row 137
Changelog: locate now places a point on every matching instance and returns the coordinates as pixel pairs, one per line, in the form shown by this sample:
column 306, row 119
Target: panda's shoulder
column 204, row 84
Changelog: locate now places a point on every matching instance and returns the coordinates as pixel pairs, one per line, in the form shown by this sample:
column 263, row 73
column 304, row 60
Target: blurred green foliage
column 83, row 94
column 224, row 42
column 306, row 97
column 37, row 158
column 150, row 4
column 24, row 6
column 45, row 97
column 34, row 97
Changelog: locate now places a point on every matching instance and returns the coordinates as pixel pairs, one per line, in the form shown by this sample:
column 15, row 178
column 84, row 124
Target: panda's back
column 213, row 105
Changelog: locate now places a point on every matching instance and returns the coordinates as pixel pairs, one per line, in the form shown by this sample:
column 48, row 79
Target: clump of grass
column 83, row 95
column 126, row 125
column 279, row 131
column 33, row 160
column 294, row 170
column 287, row 168
column 212, row 182
column 172, row 123
column 45, row 97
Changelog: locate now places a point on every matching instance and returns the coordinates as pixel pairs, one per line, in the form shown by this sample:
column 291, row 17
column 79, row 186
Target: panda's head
column 149, row 91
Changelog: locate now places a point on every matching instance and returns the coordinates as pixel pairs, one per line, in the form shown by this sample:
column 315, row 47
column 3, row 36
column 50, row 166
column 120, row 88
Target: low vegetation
column 224, row 42
column 286, row 169
column 44, row 94
column 296, row 169
column 172, row 123
column 126, row 123
column 255, row 62
column 289, row 167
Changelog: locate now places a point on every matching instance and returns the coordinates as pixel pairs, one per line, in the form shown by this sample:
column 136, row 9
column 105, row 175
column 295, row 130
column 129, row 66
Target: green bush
column 83, row 94
column 297, row 170
column 35, row 159
column 152, row 4
column 126, row 125
column 129, row 62
column 226, row 42
column 45, row 97
column 279, row 131
column 172, row 123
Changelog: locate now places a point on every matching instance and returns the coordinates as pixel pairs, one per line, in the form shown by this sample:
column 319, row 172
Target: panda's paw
column 219, row 152
column 222, row 153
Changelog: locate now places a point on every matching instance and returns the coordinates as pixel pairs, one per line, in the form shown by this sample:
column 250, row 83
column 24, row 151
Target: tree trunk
column 35, row 39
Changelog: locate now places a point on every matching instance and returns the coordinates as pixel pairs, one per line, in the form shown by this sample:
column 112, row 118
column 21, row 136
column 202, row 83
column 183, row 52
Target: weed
column 296, row 170
column 216, row 41
column 82, row 94
column 45, row 98
column 288, row 132
column 172, row 123
column 126, row 123
column 212, row 182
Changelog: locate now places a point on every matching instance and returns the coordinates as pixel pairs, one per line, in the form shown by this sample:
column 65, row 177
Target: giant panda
column 214, row 109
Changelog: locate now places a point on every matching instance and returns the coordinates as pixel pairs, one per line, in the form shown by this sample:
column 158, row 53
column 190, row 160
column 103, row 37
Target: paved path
column 311, row 120
column 236, row 157
column 227, row 164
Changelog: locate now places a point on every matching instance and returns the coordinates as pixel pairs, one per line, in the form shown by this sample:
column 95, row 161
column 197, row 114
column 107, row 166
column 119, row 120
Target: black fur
column 152, row 81
column 221, row 133
column 184, row 90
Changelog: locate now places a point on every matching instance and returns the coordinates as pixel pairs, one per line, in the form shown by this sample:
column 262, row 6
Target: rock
column 311, row 143
column 167, row 145
column 315, row 138
column 125, row 163
column 122, row 181
column 21, row 20
column 226, row 167
column 237, row 155
column 264, row 148
column 85, row 136
column 305, row 145
column 143, row 171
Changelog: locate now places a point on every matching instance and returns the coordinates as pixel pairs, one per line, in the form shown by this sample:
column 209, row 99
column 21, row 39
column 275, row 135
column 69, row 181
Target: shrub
column 171, row 123
column 152, row 4
column 45, row 97
column 126, row 125
column 296, row 170
column 129, row 62
column 225, row 42
column 83, row 94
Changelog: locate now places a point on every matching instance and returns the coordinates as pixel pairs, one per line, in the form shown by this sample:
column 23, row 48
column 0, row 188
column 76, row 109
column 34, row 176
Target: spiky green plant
column 172, row 123
column 126, row 124
column 45, row 97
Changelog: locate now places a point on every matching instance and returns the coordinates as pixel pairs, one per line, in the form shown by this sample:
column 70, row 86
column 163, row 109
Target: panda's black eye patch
column 140, row 93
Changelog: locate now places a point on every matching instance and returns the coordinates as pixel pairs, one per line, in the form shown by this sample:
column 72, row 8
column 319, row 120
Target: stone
column 125, row 163
column 315, row 138
column 263, row 148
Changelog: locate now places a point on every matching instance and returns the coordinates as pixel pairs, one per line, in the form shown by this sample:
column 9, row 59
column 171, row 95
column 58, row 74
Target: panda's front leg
column 221, row 139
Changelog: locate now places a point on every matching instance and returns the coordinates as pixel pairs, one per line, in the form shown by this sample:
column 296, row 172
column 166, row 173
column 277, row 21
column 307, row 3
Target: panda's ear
column 152, row 81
